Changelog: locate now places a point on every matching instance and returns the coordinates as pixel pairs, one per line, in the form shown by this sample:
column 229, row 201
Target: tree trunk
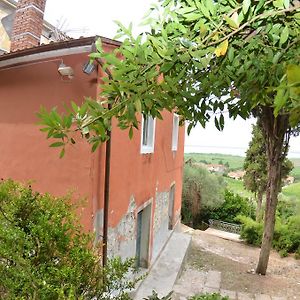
column 274, row 130
column 259, row 206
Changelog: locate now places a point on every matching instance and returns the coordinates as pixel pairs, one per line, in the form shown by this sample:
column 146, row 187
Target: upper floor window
column 148, row 134
column 175, row 132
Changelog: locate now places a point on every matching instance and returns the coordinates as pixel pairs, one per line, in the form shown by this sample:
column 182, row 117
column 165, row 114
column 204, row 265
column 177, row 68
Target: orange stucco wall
column 25, row 153
column 142, row 175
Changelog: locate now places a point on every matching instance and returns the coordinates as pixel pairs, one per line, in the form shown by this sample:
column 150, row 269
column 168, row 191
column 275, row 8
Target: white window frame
column 148, row 133
column 175, row 132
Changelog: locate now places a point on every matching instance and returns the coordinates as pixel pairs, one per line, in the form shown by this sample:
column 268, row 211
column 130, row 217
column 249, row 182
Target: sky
column 96, row 17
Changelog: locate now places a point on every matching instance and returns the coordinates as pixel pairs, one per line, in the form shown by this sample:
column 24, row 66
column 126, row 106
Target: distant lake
column 225, row 150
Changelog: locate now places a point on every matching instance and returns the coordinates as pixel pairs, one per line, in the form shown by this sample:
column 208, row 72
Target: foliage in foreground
column 214, row 296
column 45, row 255
column 155, row 296
column 286, row 234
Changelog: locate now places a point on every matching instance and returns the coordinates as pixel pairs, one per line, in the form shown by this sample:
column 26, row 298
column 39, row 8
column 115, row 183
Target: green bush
column 286, row 237
column 214, row 296
column 233, row 206
column 251, row 231
column 44, row 253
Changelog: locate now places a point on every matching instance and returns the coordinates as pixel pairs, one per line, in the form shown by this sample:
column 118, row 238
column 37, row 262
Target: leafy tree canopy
column 200, row 58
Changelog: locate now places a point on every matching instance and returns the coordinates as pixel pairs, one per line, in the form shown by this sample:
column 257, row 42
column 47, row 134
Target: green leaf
column 293, row 79
column 62, row 153
column 231, row 22
column 98, row 45
column 221, row 121
column 138, row 105
column 166, row 67
column 280, row 99
column 231, row 54
column 217, row 124
column 204, row 10
column 278, row 3
column 57, row 144
column 210, row 6
column 130, row 132
column 95, row 146
column 246, row 5
column 284, row 35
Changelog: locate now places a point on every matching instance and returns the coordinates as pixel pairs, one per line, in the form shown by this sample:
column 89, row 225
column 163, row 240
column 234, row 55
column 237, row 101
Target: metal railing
column 225, row 226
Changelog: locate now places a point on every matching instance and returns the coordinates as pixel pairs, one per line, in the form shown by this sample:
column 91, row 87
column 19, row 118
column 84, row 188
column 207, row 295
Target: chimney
column 28, row 24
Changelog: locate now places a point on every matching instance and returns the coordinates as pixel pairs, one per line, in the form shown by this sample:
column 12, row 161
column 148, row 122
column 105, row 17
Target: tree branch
column 265, row 15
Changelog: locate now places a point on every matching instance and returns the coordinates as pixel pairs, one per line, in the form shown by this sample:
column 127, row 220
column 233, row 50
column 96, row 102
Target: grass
column 292, row 190
column 237, row 187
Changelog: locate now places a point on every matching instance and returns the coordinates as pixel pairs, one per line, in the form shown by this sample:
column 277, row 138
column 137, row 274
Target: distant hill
column 235, row 162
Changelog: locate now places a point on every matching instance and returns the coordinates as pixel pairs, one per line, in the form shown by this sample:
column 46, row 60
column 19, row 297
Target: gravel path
column 231, row 265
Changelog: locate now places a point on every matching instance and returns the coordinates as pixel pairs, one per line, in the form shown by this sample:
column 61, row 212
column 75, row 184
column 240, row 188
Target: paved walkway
column 197, row 282
column 166, row 269
column 224, row 235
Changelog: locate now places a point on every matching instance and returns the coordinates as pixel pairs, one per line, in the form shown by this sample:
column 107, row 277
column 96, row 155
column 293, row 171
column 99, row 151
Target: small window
column 175, row 132
column 148, row 133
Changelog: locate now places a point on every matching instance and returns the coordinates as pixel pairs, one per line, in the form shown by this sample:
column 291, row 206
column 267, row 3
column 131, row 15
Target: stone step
column 213, row 279
column 167, row 268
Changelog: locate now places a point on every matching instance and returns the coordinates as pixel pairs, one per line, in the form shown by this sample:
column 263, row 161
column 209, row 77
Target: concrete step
column 166, row 269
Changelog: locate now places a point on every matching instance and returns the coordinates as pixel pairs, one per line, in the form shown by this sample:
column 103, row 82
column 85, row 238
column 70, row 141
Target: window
column 175, row 132
column 148, row 133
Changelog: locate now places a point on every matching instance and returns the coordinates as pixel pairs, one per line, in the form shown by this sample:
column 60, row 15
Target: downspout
column 106, row 197
column 106, row 181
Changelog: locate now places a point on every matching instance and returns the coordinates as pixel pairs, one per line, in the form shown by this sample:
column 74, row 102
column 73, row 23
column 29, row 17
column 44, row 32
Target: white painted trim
column 26, row 33
column 45, row 55
column 30, row 6
column 175, row 138
column 148, row 149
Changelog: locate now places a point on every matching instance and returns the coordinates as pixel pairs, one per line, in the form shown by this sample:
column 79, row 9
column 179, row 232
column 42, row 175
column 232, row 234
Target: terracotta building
column 146, row 172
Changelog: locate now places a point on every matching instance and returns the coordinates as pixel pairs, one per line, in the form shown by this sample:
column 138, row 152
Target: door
column 143, row 237
column 171, row 206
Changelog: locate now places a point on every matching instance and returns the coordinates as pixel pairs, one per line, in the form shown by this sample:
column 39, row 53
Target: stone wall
column 161, row 233
column 122, row 238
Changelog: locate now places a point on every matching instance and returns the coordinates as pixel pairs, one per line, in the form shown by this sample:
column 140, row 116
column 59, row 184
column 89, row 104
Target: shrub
column 44, row 253
column 287, row 236
column 214, row 296
column 233, row 206
column 251, row 231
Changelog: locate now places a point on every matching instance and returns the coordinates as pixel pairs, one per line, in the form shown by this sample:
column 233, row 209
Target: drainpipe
column 106, row 197
column 106, row 181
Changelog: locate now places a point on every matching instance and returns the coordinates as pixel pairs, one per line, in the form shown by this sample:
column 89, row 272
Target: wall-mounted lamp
column 88, row 68
column 65, row 70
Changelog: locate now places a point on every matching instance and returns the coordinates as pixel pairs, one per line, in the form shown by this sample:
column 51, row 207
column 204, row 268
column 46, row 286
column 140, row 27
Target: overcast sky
column 96, row 17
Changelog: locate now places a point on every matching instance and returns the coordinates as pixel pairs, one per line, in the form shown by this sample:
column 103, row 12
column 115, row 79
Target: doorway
column 143, row 237
column 171, row 206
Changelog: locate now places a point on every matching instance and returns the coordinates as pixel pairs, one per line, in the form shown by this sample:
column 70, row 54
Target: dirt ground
column 237, row 261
